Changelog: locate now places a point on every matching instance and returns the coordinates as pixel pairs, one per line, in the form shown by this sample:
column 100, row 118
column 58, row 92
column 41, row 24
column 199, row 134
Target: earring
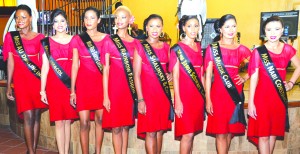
column 182, row 36
column 129, row 29
column 17, row 28
column 53, row 31
column 199, row 37
column 115, row 28
column 146, row 34
column 162, row 34
column 67, row 30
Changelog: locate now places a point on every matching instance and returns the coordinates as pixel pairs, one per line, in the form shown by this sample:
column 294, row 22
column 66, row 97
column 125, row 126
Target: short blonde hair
column 124, row 8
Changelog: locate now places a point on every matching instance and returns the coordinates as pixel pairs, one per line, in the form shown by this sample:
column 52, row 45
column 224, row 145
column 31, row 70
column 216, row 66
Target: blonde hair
column 124, row 8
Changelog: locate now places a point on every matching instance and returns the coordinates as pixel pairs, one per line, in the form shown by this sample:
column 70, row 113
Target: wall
column 141, row 9
column 246, row 12
column 2, row 26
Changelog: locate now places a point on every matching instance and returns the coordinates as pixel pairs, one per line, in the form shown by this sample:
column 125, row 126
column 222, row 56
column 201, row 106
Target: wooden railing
column 74, row 10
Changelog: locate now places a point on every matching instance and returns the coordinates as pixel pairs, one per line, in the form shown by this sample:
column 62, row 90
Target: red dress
column 157, row 103
column 121, row 102
column 270, row 110
column 58, row 94
column 26, row 85
column 89, row 87
column 223, row 105
column 192, row 101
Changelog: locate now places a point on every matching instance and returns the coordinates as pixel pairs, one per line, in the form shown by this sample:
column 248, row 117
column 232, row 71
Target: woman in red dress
column 154, row 107
column 28, row 102
column 87, row 76
column 53, row 90
column 219, row 104
column 118, row 100
column 267, row 113
column 189, row 103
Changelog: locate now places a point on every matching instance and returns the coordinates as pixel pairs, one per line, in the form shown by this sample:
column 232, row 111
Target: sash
column 238, row 114
column 276, row 80
column 92, row 49
column 33, row 68
column 190, row 70
column 160, row 74
column 127, row 68
column 60, row 73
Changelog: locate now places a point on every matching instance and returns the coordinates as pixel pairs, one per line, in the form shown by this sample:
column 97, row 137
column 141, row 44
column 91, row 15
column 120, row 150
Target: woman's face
column 122, row 18
column 60, row 24
column 273, row 31
column 154, row 28
column 23, row 19
column 91, row 20
column 229, row 29
column 191, row 28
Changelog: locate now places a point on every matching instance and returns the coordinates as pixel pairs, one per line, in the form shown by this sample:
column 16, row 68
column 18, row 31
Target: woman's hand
column 209, row 107
column 9, row 94
column 252, row 110
column 73, row 100
column 106, row 104
column 288, row 85
column 142, row 107
column 44, row 97
column 178, row 108
column 169, row 77
column 240, row 80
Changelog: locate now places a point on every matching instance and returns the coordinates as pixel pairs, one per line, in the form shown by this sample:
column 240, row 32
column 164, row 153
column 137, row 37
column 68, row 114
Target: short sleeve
column 291, row 51
column 107, row 43
column 253, row 62
column 208, row 57
column 244, row 53
column 73, row 44
column 172, row 61
column 7, row 46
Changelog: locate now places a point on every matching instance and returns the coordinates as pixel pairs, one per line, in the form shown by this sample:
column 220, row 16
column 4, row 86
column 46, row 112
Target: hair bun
column 217, row 26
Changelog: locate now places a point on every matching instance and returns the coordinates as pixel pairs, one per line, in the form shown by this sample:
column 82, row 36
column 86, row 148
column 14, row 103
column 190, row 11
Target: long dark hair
column 57, row 12
column 152, row 16
column 183, row 21
column 219, row 23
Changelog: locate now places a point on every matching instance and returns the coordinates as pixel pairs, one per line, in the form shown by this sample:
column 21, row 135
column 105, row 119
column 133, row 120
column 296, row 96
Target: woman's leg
column 84, row 130
column 222, row 143
column 125, row 133
column 159, row 140
column 186, row 143
column 264, row 145
column 117, row 139
column 36, row 130
column 272, row 143
column 60, row 135
column 99, row 130
column 28, row 129
column 151, row 142
column 67, row 135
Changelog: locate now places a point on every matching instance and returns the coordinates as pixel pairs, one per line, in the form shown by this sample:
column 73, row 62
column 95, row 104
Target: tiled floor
column 12, row 144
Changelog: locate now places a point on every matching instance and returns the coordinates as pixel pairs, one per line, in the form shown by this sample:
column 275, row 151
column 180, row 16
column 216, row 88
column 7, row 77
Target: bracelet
column 141, row 100
column 72, row 94
column 42, row 93
column 292, row 82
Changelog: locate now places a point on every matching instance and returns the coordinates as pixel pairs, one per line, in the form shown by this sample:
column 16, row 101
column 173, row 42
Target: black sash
column 21, row 51
column 276, row 80
column 60, row 73
column 190, row 70
column 238, row 115
column 160, row 74
column 127, row 68
column 92, row 49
